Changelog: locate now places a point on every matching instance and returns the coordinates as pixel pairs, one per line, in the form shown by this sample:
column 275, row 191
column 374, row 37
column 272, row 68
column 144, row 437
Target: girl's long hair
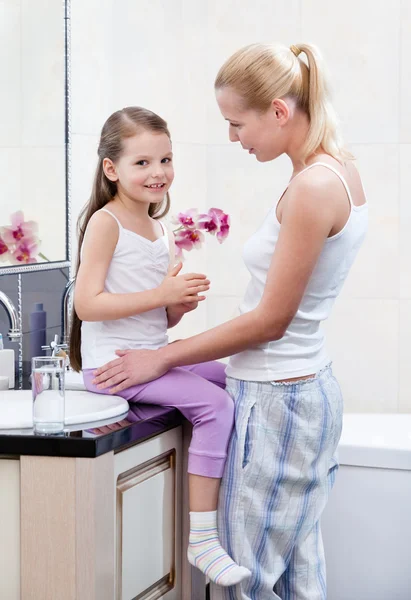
column 120, row 125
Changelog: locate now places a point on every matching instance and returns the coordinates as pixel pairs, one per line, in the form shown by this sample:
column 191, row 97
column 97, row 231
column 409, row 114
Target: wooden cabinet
column 10, row 529
column 148, row 483
column 113, row 527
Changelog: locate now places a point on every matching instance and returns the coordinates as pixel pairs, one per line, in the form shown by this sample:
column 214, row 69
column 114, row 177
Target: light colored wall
column 164, row 56
column 32, row 159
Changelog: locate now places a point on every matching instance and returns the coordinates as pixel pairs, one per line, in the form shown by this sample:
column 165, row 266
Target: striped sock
column 206, row 553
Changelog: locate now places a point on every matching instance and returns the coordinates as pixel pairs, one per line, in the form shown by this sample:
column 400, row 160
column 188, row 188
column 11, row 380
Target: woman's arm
column 92, row 303
column 308, row 217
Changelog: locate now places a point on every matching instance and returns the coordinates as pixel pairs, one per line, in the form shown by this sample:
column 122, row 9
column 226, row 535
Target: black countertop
column 140, row 423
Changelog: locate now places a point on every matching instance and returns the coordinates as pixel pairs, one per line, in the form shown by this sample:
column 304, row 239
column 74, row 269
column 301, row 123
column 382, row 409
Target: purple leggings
column 198, row 391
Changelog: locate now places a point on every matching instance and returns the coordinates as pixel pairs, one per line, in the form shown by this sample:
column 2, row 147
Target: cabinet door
column 148, row 520
column 10, row 529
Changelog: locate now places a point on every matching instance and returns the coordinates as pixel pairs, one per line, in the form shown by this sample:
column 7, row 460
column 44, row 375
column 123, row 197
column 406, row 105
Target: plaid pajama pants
column 280, row 469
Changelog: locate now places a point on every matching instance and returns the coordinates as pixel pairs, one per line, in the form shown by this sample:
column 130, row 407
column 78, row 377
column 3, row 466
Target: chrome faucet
column 66, row 302
column 14, row 332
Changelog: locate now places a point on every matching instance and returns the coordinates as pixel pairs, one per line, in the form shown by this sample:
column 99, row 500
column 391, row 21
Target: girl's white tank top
column 138, row 264
column 301, row 351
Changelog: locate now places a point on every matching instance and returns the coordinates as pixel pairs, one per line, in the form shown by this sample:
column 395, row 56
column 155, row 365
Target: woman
column 281, row 464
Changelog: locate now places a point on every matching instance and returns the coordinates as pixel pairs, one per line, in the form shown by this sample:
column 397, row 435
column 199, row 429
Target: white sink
column 16, row 408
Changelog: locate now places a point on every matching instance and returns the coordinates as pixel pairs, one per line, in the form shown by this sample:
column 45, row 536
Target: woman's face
column 261, row 134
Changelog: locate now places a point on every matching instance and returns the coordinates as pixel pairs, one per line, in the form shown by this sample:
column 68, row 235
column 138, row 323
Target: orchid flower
column 25, row 252
column 215, row 222
column 4, row 251
column 189, row 235
column 19, row 229
column 187, row 219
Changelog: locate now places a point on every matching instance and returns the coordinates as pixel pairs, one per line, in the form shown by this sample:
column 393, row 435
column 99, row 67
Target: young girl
column 128, row 292
column 280, row 466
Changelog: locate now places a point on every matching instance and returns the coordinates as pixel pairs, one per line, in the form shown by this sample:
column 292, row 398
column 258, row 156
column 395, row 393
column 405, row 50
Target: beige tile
column 192, row 323
column 405, row 357
column 10, row 63
column 376, row 271
column 363, row 338
column 10, row 176
column 359, row 41
column 405, row 221
column 91, row 65
column 189, row 189
column 221, row 309
column 42, row 72
column 148, row 68
column 405, row 79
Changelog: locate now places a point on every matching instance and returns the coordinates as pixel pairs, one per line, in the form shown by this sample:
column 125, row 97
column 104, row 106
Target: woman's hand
column 131, row 368
column 182, row 289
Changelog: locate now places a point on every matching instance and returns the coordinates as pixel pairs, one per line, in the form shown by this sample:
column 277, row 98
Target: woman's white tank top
column 138, row 264
column 301, row 351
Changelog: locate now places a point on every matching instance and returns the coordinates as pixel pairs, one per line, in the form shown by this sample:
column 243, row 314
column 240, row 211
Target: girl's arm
column 308, row 217
column 92, row 303
column 174, row 315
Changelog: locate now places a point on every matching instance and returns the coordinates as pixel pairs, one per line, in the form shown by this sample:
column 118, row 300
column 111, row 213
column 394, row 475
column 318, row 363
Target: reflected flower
column 19, row 229
column 25, row 252
column 4, row 251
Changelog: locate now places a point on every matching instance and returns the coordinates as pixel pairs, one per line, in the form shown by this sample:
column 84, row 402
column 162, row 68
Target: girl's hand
column 176, row 312
column 183, row 289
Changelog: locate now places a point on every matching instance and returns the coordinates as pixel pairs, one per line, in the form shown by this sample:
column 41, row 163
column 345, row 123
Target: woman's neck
column 299, row 130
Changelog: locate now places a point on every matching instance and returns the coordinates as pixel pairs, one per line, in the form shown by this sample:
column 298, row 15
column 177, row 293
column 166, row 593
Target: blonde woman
column 288, row 404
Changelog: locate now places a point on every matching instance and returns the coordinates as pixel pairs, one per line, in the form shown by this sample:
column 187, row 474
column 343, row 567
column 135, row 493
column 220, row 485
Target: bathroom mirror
column 34, row 135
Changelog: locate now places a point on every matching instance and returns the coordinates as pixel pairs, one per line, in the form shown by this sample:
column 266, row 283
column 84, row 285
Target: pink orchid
column 187, row 219
column 215, row 222
column 4, row 251
column 187, row 239
column 19, row 229
column 25, row 252
column 188, row 235
column 224, row 227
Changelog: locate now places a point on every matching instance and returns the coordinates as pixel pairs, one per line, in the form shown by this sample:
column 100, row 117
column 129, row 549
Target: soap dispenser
column 6, row 363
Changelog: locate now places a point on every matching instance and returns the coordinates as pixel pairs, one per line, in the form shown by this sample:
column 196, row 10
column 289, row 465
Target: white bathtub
column 367, row 522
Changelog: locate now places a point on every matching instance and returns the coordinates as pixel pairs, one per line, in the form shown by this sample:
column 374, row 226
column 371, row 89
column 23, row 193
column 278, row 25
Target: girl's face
column 261, row 134
column 144, row 172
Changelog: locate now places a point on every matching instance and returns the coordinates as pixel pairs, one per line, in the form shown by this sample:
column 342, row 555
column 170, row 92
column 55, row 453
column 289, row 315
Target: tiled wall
column 164, row 55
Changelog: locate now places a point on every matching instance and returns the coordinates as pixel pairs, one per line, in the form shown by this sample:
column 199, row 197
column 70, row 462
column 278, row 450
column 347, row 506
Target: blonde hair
column 259, row 73
column 121, row 125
